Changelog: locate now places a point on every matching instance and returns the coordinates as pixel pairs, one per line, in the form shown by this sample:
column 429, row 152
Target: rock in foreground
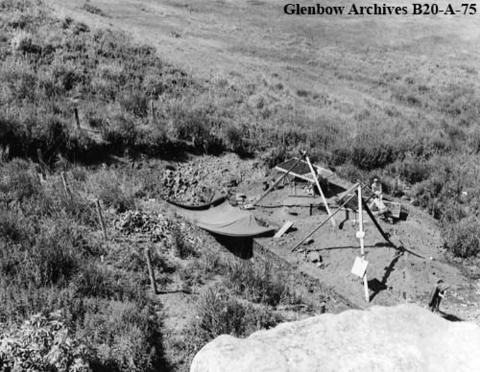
column 400, row 338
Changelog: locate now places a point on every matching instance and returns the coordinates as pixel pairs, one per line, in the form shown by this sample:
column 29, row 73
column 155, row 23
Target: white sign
column 359, row 267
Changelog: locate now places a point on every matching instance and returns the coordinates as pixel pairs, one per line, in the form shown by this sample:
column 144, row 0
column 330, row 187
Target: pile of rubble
column 186, row 188
column 158, row 227
column 197, row 182
column 42, row 343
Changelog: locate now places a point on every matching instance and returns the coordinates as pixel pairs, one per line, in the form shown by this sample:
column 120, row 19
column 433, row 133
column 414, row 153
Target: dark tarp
column 225, row 220
column 216, row 201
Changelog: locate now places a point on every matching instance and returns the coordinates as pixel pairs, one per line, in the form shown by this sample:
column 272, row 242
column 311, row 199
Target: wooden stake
column 100, row 217
column 41, row 160
column 375, row 222
column 152, row 110
column 68, row 193
column 361, row 236
column 77, row 118
column 276, row 182
column 151, row 273
column 320, row 190
column 328, row 218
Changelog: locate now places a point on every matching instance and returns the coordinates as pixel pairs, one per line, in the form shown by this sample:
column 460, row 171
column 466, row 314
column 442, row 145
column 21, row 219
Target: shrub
column 96, row 281
column 52, row 258
column 260, row 282
column 413, row 170
column 369, row 154
column 124, row 335
column 235, row 141
column 462, row 238
column 196, row 125
column 18, row 183
column 122, row 134
column 218, row 313
column 183, row 248
column 115, row 190
column 93, row 9
column 135, row 102
column 10, row 227
column 275, row 156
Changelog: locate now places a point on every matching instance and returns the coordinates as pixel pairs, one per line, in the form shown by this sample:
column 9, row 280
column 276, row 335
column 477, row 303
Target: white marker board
column 359, row 267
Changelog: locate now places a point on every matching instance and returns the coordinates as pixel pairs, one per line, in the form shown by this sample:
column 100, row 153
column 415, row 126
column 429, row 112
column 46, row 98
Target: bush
column 260, row 282
column 368, row 154
column 122, row 134
column 124, row 335
column 135, row 102
column 183, row 248
column 196, row 126
column 218, row 313
column 413, row 170
column 95, row 281
column 52, row 260
column 115, row 190
column 93, row 9
column 10, row 227
column 235, row 141
column 462, row 238
column 18, row 182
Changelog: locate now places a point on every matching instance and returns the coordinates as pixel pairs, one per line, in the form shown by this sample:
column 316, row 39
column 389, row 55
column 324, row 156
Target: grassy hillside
column 396, row 99
column 403, row 110
column 52, row 255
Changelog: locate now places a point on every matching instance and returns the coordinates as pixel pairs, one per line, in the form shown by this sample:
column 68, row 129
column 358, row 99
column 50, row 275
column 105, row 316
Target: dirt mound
column 157, row 227
column 400, row 338
column 199, row 180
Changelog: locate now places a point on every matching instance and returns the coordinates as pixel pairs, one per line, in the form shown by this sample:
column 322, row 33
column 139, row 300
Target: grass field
column 393, row 97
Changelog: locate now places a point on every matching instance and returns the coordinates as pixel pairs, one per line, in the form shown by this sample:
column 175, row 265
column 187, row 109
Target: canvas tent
column 223, row 219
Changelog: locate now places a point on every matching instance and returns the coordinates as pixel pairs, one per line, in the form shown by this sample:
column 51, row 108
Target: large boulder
column 401, row 338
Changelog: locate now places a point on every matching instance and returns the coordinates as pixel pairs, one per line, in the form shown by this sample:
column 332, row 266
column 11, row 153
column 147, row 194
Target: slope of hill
column 365, row 95
column 396, row 96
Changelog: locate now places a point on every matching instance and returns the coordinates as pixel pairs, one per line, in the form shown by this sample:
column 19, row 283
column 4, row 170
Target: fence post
column 68, row 193
column 77, row 118
column 152, row 110
column 151, row 273
column 100, row 217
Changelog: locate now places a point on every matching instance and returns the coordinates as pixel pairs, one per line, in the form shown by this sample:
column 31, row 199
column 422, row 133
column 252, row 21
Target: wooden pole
column 100, row 217
column 276, row 182
column 152, row 110
column 327, row 219
column 375, row 222
column 361, row 236
column 320, row 190
column 151, row 273
column 68, row 193
column 41, row 160
column 77, row 118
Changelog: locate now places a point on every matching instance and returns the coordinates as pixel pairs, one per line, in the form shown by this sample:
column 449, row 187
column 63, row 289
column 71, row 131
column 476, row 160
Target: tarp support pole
column 361, row 237
column 328, row 218
column 375, row 222
column 277, row 182
column 315, row 178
